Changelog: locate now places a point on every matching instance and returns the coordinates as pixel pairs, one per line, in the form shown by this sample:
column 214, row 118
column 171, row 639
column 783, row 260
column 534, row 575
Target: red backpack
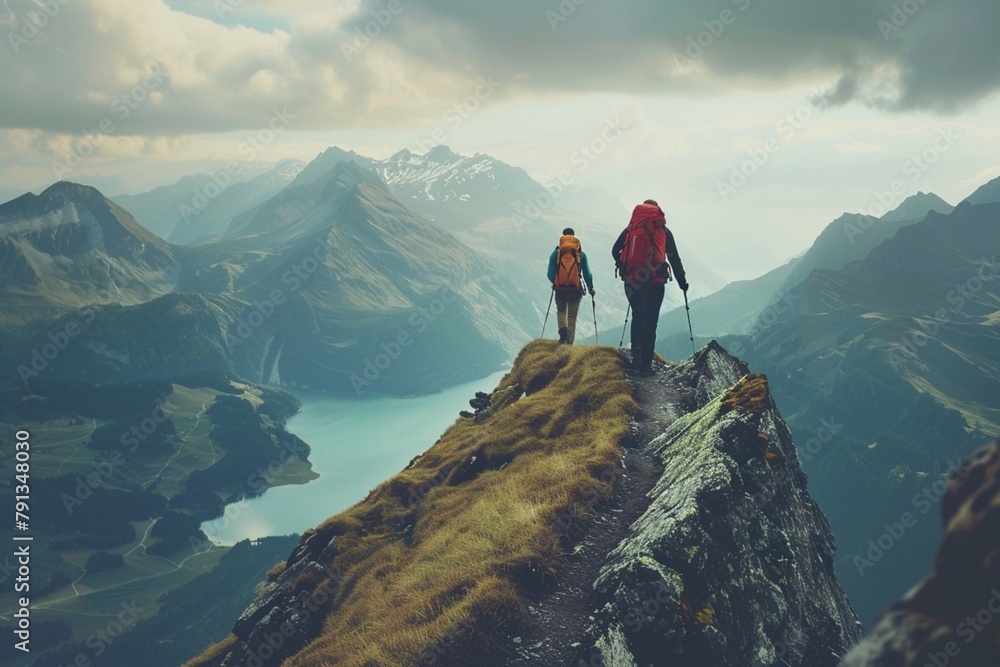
column 643, row 257
column 568, row 264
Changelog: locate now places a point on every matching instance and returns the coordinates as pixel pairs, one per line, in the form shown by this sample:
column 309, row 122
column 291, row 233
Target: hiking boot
column 563, row 335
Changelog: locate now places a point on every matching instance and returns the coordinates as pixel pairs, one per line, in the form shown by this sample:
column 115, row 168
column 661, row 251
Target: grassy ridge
column 446, row 547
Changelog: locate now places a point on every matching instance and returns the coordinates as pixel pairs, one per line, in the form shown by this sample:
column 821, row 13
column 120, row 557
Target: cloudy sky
column 754, row 122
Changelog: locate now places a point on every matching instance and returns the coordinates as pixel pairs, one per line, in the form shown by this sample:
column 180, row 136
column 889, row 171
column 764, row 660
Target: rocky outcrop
column 732, row 562
column 952, row 618
column 708, row 549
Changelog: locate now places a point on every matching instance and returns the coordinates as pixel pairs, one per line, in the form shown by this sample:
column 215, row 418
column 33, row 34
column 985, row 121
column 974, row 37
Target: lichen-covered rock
column 953, row 617
column 287, row 611
column 732, row 563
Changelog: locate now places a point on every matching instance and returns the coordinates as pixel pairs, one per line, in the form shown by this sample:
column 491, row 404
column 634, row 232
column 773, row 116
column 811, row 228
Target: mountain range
column 199, row 207
column 333, row 284
column 886, row 367
column 141, row 360
column 741, row 306
column 494, row 208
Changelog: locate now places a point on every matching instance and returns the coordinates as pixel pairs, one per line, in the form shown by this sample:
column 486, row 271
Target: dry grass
column 448, row 544
column 275, row 571
column 215, row 651
column 751, row 396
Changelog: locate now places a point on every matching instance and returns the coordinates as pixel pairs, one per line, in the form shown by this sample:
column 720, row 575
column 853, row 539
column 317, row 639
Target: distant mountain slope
column 321, row 165
column 449, row 188
column 204, row 218
column 159, row 209
column 747, row 306
column 917, row 207
column 733, row 309
column 337, row 286
column 359, row 271
column 489, row 204
column 301, row 206
column 199, row 207
column 889, row 367
column 986, row 194
column 456, row 192
column 70, row 246
column 169, row 337
column 852, row 236
column 500, row 211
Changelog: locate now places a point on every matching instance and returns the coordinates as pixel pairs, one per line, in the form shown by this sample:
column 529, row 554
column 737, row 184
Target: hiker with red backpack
column 644, row 254
column 570, row 276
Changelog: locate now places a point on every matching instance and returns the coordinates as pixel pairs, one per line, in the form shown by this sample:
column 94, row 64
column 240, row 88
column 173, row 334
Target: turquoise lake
column 357, row 443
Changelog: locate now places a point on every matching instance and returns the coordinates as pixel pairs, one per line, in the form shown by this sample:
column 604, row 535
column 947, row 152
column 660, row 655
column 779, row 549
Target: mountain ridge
column 197, row 207
column 746, row 307
column 71, row 245
column 530, row 604
column 346, row 274
column 900, row 349
column 988, row 193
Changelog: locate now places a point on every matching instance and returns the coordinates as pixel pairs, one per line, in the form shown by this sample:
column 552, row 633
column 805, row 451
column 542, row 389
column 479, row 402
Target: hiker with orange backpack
column 644, row 254
column 570, row 276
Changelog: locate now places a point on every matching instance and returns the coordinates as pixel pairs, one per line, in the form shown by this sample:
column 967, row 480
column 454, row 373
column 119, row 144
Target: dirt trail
column 558, row 618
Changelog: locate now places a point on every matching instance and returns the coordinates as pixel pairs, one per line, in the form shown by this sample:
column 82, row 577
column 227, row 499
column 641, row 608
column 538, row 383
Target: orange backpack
column 568, row 264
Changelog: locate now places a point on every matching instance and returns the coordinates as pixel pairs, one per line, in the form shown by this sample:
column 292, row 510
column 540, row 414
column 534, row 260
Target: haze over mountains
column 494, row 208
column 887, row 365
column 848, row 238
column 332, row 270
column 281, row 271
column 200, row 207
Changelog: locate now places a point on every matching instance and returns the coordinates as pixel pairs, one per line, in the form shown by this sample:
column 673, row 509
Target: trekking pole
column 690, row 330
column 551, row 296
column 594, row 304
column 627, row 311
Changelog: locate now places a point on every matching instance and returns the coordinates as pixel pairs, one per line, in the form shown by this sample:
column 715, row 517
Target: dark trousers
column 645, row 300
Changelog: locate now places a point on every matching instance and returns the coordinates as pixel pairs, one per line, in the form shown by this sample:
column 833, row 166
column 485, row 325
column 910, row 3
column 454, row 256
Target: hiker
column 641, row 254
column 567, row 265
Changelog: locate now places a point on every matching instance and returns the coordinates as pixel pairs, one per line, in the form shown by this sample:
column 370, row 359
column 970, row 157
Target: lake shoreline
column 356, row 443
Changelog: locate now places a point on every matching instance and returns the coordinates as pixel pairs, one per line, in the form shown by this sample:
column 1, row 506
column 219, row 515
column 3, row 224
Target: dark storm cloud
column 895, row 54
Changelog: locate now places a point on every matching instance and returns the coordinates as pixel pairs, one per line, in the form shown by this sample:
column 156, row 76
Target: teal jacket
column 584, row 269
